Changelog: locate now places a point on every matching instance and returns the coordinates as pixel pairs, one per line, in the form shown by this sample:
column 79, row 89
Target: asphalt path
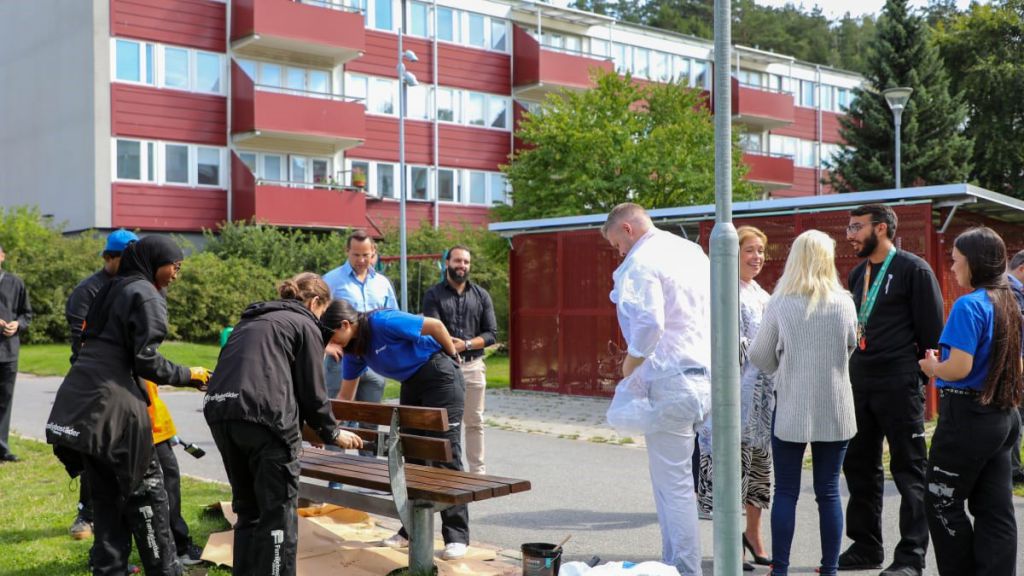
column 599, row 493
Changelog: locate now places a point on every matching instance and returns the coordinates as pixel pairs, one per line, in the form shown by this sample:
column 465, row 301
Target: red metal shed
column 564, row 337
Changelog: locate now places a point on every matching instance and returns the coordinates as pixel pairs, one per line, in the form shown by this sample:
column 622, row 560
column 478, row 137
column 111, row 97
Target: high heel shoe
column 759, row 560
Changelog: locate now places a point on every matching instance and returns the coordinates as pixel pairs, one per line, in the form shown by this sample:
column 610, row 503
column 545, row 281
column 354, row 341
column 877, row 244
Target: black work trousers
column 172, row 485
column 84, row 499
column 889, row 408
column 970, row 461
column 8, row 374
column 439, row 384
column 117, row 518
column 264, row 475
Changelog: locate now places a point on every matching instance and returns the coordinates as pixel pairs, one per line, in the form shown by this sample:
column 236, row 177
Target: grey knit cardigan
column 809, row 354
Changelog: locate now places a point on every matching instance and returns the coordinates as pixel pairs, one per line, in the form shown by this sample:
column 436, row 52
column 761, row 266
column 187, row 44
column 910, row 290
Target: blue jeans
column 827, row 460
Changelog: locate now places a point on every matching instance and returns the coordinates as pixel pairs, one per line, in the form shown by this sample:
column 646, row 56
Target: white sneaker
column 454, row 550
column 396, row 541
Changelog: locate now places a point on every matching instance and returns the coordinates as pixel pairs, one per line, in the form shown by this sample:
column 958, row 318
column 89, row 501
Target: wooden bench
column 412, row 493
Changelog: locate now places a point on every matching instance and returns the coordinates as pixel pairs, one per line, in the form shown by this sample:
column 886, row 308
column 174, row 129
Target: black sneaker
column 896, row 570
column 191, row 556
column 855, row 560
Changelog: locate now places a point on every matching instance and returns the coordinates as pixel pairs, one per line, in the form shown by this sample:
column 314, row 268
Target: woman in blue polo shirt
column 419, row 353
column 980, row 385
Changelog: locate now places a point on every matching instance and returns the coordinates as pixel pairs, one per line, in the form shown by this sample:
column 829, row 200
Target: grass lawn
column 52, row 359
column 37, row 505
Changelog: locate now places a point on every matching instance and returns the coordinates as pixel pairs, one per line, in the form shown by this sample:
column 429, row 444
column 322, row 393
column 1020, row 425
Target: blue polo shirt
column 373, row 293
column 396, row 349
column 969, row 328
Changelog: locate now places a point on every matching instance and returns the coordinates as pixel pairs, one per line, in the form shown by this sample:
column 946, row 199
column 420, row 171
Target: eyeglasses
column 177, row 267
column 857, row 227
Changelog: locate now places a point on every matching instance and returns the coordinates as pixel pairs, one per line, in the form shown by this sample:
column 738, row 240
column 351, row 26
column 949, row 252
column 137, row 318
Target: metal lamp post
column 405, row 79
column 897, row 99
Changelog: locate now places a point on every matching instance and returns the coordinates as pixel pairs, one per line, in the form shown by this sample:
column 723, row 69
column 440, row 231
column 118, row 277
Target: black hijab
column 139, row 262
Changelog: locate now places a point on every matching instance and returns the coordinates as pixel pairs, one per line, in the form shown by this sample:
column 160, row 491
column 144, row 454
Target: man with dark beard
column 467, row 312
column 899, row 307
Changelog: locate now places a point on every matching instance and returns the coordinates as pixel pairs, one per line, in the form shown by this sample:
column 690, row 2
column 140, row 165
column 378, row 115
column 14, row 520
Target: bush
column 50, row 264
column 212, row 292
column 284, row 252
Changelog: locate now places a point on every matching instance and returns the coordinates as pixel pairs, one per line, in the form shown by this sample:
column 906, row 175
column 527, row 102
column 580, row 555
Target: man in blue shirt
column 360, row 285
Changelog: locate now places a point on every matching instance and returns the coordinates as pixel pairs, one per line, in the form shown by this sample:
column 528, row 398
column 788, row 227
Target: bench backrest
column 409, row 417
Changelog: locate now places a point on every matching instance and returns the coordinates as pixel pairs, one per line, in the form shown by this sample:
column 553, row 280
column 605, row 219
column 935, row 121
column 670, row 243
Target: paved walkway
column 570, row 417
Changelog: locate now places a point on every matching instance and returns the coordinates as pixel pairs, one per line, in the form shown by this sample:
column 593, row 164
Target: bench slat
column 353, row 475
column 416, row 417
column 421, row 447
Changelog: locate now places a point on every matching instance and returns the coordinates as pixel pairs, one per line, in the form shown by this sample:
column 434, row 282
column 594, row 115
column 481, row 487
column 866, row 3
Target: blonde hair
column 810, row 269
column 303, row 287
column 747, row 232
column 626, row 212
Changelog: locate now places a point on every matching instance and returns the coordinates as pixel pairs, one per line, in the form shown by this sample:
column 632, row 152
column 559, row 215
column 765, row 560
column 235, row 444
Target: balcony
column 290, row 204
column 318, row 32
column 770, row 172
column 538, row 70
column 760, row 107
column 275, row 118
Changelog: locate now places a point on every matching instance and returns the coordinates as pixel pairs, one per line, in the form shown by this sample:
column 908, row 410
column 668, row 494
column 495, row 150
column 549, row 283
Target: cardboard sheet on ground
column 332, row 538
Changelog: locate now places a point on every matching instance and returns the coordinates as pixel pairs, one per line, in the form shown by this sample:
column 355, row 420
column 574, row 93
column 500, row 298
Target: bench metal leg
column 421, row 539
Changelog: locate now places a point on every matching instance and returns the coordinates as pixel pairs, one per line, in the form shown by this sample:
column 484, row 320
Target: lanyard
column 871, row 295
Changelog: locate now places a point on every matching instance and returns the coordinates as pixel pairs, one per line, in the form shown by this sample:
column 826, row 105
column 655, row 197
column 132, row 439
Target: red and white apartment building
column 175, row 115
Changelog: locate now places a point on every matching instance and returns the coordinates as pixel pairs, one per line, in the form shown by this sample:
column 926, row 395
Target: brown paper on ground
column 346, row 523
column 219, row 548
column 354, row 562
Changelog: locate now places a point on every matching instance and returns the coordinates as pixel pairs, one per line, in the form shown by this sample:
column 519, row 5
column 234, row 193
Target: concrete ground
column 586, row 480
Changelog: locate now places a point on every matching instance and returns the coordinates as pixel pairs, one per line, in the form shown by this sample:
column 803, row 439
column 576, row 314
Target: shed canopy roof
column 961, row 196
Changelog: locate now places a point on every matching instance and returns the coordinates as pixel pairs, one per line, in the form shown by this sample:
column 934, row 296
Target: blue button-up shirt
column 373, row 293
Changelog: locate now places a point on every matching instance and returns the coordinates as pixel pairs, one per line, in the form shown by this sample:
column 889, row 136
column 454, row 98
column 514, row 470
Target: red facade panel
column 287, row 25
column 753, row 103
column 533, row 64
column 168, row 208
column 460, row 146
column 143, row 112
column 804, row 184
column 316, row 207
column 195, row 23
column 243, row 190
column 769, row 169
column 384, row 214
column 458, row 66
column 805, row 126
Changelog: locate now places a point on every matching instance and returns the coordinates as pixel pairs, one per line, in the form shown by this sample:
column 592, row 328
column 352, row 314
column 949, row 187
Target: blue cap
column 119, row 239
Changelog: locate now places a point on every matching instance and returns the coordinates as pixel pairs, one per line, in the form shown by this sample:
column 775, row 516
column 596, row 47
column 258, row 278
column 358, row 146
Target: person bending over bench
column 419, row 353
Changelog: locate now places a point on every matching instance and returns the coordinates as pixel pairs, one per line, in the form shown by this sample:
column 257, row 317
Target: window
column 699, row 74
column 843, row 99
column 475, row 114
column 273, row 168
column 319, row 82
column 208, row 172
column 828, row 98
column 447, row 105
column 249, row 67
column 476, row 30
column 383, row 96
column 750, row 142
column 355, row 86
column 249, row 159
column 129, row 160
column 477, row 188
column 133, row 61
column 806, row 156
column 497, row 182
column 419, row 180
column 641, row 62
column 499, row 33
column 620, row 55
column 176, row 164
column 599, row 47
column 295, row 79
column 321, row 170
column 417, row 103
column 270, row 75
column 446, row 187
column 419, row 16
column 660, row 67
column 681, row 69
column 297, row 168
column 356, row 168
column 497, row 112
column 382, row 17
column 208, row 72
column 386, row 180
column 782, row 145
column 447, row 29
column 808, row 97
column 572, row 43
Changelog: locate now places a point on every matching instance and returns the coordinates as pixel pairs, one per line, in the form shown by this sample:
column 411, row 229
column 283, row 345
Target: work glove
column 199, row 377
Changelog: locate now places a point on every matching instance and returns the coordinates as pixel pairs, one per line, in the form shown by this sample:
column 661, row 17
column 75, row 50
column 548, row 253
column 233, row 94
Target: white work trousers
column 669, row 454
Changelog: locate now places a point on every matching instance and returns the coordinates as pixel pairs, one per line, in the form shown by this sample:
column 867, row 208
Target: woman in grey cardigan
column 806, row 338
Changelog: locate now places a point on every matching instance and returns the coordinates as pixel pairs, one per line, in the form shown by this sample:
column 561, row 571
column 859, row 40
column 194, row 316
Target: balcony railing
column 308, row 93
column 331, row 5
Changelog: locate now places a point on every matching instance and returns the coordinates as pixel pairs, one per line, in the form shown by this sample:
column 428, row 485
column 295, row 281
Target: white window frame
column 147, row 66
column 410, row 184
column 153, row 166
column 146, row 149
column 151, row 63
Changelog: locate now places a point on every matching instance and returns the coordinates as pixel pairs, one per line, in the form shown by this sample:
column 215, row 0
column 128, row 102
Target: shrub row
column 239, row 264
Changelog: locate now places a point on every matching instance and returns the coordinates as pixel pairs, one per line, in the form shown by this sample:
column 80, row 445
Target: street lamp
column 405, row 79
column 897, row 99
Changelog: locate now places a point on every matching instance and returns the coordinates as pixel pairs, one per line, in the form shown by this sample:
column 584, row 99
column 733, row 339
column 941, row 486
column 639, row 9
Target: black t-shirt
column 906, row 319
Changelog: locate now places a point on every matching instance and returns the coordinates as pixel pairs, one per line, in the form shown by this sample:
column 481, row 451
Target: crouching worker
column 269, row 381
column 100, row 422
column 419, row 353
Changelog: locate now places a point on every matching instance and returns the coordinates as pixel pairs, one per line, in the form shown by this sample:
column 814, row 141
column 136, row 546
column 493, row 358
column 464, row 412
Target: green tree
column 284, row 252
column 588, row 151
column 984, row 52
column 852, row 39
column 935, row 150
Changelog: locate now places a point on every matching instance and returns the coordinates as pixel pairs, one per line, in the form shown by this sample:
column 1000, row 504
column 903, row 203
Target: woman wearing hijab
column 269, row 382
column 419, row 353
column 99, row 422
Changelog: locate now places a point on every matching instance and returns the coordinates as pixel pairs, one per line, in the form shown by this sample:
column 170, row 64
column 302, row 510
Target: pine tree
column 934, row 147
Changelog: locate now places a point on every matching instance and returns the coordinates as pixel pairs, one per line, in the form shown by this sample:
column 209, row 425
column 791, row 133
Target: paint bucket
column 541, row 559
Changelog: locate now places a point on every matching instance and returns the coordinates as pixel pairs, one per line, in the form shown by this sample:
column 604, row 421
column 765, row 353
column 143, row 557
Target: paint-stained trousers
column 264, row 477
column 143, row 514
column 970, row 462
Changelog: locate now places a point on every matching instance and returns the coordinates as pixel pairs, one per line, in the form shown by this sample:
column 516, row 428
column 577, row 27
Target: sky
column 836, row 8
